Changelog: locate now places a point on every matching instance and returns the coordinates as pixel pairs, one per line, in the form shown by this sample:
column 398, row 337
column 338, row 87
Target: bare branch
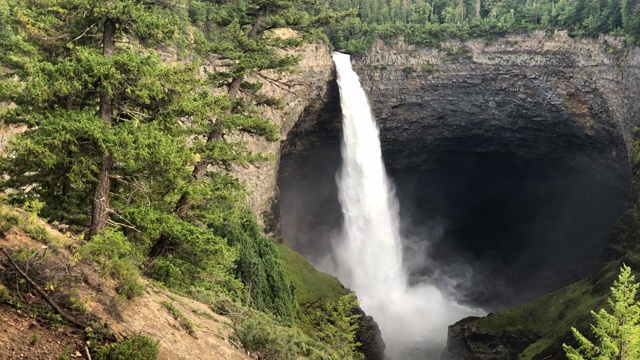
column 83, row 33
column 281, row 84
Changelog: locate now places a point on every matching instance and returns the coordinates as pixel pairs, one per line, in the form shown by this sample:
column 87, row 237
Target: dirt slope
column 27, row 332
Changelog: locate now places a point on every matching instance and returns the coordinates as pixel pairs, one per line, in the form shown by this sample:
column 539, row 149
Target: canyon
column 510, row 157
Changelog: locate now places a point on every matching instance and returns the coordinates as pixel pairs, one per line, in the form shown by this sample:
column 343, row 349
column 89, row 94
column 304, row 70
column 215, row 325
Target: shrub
column 428, row 68
column 118, row 258
column 258, row 266
column 408, row 70
column 260, row 334
column 138, row 347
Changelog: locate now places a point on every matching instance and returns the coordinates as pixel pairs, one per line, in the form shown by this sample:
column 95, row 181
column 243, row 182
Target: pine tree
column 58, row 75
column 110, row 127
column 617, row 333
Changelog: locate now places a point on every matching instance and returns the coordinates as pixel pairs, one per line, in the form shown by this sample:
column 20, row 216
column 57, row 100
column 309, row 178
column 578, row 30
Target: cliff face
column 303, row 89
column 508, row 95
column 509, row 156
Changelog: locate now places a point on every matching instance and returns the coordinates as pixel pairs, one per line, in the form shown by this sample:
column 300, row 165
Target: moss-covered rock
column 314, row 289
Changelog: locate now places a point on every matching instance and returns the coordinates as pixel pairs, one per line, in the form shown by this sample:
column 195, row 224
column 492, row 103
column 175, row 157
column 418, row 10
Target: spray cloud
column 368, row 255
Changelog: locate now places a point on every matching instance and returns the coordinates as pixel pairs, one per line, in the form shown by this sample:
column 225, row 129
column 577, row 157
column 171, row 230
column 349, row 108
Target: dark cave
column 503, row 225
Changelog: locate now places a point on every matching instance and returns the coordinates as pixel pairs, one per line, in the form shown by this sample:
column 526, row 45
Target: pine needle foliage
column 127, row 136
column 617, row 331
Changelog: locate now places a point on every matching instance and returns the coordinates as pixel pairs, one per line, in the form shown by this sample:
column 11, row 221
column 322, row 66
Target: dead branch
column 46, row 297
column 239, row 347
column 83, row 33
column 277, row 83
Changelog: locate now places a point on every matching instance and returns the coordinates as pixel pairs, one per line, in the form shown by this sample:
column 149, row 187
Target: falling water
column 368, row 255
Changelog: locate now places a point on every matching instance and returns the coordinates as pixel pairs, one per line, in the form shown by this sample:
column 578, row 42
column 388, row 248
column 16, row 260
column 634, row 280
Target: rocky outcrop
column 369, row 337
column 302, row 89
column 466, row 342
column 507, row 95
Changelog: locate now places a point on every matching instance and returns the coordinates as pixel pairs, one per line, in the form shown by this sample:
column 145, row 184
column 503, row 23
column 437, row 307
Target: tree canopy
column 429, row 21
column 128, row 138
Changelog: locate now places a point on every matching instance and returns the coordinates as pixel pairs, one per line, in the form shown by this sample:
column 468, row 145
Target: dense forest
column 428, row 22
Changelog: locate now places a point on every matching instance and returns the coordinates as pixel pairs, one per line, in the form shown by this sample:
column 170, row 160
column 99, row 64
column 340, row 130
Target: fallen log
column 44, row 295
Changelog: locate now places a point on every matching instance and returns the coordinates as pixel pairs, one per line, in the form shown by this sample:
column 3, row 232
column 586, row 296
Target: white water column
column 368, row 255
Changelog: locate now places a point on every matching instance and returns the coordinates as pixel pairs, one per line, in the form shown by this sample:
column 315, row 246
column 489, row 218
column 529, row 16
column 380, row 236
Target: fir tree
column 617, row 333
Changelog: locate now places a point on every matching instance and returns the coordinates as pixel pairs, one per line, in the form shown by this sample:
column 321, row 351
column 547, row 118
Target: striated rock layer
column 508, row 95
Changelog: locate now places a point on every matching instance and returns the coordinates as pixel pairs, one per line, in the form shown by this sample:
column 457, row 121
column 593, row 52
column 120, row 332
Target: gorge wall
column 513, row 151
column 510, row 158
column 302, row 90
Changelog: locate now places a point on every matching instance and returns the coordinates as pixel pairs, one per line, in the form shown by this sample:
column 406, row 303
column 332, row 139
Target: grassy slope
column 551, row 316
column 312, row 287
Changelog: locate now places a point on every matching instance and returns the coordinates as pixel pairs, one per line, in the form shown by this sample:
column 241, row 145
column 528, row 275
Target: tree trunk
column 184, row 204
column 431, row 17
column 478, row 7
column 234, row 90
column 100, row 208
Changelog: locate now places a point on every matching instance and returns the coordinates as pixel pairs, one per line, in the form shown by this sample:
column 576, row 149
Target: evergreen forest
column 427, row 22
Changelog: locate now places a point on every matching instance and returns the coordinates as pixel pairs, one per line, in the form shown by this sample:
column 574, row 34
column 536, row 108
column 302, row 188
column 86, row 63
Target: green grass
column 428, row 68
column 203, row 314
column 550, row 317
column 188, row 325
column 138, row 347
column 10, row 217
column 312, row 287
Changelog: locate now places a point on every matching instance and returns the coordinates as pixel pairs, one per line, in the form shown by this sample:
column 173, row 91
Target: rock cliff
column 509, row 156
column 303, row 89
column 533, row 118
column 510, row 94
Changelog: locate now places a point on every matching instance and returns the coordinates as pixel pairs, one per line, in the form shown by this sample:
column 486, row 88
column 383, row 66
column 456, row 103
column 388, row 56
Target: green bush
column 8, row 220
column 408, row 70
column 117, row 257
column 138, row 347
column 29, row 224
column 428, row 68
column 260, row 334
column 258, row 266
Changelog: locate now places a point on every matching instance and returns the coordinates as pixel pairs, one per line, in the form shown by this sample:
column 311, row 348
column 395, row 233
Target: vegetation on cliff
column 427, row 22
column 618, row 332
column 539, row 328
column 129, row 141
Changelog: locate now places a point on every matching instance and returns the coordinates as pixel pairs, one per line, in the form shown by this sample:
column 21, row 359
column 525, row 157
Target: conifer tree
column 76, row 80
column 242, row 36
column 109, row 125
column 617, row 333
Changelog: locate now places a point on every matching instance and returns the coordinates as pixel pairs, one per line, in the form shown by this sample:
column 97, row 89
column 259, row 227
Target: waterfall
column 368, row 254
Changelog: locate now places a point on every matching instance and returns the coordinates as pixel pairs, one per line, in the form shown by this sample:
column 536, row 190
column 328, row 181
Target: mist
column 368, row 254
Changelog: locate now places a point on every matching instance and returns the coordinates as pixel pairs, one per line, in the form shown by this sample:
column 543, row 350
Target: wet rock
column 466, row 342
